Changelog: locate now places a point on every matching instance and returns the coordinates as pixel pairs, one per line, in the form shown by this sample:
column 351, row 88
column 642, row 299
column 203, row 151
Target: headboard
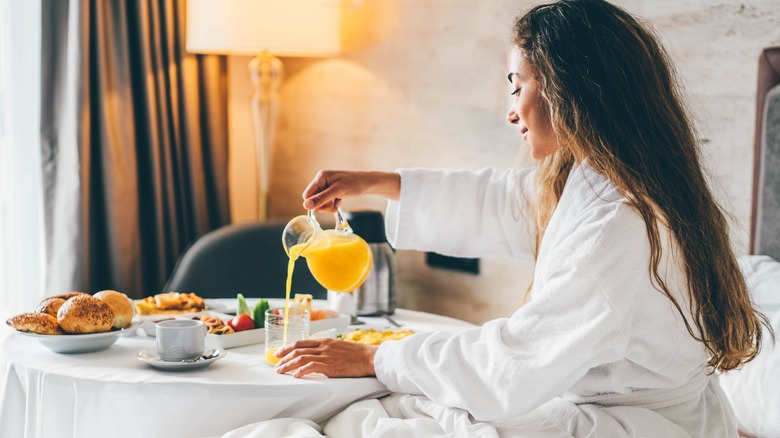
column 765, row 220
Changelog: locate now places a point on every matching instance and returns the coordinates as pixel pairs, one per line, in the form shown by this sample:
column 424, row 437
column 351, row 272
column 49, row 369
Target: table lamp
column 265, row 29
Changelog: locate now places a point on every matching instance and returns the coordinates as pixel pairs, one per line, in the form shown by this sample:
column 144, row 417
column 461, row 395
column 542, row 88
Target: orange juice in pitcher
column 339, row 263
column 339, row 259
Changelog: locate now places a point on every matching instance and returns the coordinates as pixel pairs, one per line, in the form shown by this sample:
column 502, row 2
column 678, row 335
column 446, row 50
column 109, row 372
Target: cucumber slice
column 243, row 308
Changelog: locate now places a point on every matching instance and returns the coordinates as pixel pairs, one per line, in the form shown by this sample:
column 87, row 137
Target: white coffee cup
column 180, row 339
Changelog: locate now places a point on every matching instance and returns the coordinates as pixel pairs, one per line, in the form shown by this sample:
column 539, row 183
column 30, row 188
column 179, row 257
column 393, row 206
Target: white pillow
column 754, row 390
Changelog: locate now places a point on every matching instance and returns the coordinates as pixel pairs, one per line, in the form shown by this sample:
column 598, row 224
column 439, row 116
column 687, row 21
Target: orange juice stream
column 294, row 254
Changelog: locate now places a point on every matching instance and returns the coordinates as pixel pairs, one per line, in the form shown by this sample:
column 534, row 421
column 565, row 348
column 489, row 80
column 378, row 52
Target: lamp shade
column 249, row 27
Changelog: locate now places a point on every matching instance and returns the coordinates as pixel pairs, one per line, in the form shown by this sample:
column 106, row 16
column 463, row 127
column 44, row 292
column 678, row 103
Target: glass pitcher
column 339, row 259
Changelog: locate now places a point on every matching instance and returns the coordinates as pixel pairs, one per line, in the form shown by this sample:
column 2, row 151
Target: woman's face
column 529, row 111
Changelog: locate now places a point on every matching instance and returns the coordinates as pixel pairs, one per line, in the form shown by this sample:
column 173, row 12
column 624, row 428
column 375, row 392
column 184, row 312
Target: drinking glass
column 297, row 329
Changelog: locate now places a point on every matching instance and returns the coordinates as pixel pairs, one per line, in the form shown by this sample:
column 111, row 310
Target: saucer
column 155, row 361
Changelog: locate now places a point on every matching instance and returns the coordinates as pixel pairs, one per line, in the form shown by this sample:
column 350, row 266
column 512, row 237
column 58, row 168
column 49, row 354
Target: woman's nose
column 512, row 117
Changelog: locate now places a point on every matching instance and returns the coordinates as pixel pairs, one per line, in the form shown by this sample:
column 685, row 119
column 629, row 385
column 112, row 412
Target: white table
column 111, row 393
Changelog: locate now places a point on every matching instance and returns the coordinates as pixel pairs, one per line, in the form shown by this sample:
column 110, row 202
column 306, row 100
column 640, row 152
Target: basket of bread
column 77, row 322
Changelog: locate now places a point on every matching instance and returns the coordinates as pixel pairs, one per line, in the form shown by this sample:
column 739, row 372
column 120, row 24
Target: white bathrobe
column 596, row 330
column 597, row 352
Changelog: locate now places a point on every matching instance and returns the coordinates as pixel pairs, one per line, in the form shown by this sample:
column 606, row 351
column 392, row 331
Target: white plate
column 80, row 343
column 335, row 333
column 151, row 358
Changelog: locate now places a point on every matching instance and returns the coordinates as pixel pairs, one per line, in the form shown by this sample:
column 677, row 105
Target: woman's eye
column 514, row 93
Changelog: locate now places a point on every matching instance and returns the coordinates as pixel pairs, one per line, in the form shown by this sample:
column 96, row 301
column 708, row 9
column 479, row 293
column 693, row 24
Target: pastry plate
column 206, row 359
column 215, row 305
column 86, row 343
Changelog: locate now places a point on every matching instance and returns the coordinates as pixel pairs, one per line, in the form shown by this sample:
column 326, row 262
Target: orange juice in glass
column 283, row 326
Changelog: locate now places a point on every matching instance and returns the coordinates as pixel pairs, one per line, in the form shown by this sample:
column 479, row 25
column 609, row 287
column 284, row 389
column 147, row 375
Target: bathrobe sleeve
column 578, row 320
column 464, row 213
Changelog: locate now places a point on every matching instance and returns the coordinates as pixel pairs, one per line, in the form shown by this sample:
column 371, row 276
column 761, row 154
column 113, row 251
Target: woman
column 637, row 298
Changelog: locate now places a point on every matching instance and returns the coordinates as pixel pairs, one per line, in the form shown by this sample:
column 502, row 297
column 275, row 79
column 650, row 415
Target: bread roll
column 69, row 295
column 50, row 305
column 40, row 323
column 120, row 305
column 85, row 314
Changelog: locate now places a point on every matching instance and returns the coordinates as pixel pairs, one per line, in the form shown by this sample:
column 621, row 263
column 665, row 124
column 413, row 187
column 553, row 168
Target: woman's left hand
column 331, row 357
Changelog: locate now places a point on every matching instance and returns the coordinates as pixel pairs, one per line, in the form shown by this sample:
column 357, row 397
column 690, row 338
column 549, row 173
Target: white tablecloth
column 111, row 393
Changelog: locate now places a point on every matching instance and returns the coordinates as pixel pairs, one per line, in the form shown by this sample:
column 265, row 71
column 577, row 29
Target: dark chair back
column 242, row 258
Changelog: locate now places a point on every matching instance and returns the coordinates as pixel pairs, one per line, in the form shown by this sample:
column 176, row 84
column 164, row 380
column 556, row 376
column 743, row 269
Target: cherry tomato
column 242, row 322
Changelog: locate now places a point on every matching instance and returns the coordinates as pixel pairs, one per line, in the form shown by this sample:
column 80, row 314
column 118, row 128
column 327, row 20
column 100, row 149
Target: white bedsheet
column 408, row 416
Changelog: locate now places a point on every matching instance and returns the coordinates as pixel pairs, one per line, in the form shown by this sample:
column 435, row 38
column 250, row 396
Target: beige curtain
column 134, row 139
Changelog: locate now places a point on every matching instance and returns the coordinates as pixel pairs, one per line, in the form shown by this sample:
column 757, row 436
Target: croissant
column 40, row 323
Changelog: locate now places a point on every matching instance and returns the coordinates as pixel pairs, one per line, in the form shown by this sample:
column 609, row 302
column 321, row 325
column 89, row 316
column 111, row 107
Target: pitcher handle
column 341, row 223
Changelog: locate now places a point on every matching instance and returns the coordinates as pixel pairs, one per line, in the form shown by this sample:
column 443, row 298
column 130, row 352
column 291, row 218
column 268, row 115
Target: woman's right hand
column 329, row 187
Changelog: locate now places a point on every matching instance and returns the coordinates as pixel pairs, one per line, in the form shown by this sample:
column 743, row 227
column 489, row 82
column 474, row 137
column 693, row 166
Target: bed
column 754, row 391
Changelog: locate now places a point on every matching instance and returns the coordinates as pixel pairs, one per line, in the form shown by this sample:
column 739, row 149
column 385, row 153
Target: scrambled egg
column 374, row 337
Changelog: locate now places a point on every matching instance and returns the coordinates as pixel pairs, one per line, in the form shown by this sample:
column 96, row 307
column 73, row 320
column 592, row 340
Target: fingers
column 307, row 356
column 333, row 358
column 319, row 182
column 320, row 192
column 324, row 200
column 293, row 364
column 327, row 188
column 306, row 343
column 312, row 367
column 330, row 206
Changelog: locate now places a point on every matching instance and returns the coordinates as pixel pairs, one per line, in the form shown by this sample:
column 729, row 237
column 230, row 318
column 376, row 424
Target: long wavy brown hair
column 614, row 100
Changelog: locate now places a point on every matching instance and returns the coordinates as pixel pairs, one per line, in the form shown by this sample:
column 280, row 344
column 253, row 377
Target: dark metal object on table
column 392, row 321
column 377, row 295
column 206, row 356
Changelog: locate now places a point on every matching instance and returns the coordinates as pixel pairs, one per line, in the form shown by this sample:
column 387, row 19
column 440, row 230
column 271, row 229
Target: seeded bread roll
column 69, row 295
column 40, row 323
column 50, row 306
column 85, row 314
column 120, row 305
